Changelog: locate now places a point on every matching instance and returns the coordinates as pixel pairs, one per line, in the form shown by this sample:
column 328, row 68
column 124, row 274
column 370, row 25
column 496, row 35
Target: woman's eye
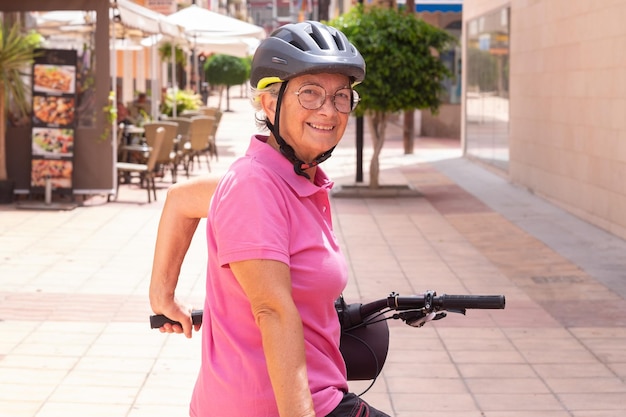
column 310, row 92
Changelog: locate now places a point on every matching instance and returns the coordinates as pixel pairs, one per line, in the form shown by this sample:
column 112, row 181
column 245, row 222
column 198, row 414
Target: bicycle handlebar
column 355, row 314
column 158, row 320
column 431, row 302
column 423, row 304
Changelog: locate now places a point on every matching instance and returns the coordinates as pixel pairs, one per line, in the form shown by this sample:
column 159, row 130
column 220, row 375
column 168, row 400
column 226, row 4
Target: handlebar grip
column 158, row 320
column 488, row 302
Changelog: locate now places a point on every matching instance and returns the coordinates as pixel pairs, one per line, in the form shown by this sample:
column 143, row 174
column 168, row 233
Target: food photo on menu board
column 53, row 110
column 52, row 141
column 59, row 79
column 59, row 171
column 53, row 117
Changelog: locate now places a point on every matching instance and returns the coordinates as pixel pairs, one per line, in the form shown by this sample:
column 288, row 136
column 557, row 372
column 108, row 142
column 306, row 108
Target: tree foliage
column 226, row 70
column 401, row 54
column 403, row 71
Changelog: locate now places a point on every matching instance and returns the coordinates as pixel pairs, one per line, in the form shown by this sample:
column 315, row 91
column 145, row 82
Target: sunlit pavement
column 75, row 339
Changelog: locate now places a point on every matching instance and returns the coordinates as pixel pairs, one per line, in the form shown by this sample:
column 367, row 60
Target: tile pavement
column 74, row 337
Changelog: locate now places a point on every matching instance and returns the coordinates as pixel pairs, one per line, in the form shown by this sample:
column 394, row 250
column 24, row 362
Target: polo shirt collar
column 274, row 160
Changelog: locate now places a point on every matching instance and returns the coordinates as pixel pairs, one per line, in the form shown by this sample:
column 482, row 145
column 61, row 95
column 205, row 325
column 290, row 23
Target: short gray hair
column 255, row 98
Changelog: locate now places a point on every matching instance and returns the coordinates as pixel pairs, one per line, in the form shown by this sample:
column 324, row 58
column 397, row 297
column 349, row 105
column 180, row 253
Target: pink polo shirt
column 263, row 210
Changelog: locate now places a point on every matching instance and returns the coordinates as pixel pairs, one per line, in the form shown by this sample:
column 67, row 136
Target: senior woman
column 270, row 333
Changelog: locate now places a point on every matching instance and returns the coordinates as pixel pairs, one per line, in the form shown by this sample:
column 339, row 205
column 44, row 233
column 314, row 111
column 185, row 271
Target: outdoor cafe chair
column 209, row 111
column 184, row 124
column 182, row 138
column 168, row 157
column 198, row 145
column 191, row 113
column 147, row 171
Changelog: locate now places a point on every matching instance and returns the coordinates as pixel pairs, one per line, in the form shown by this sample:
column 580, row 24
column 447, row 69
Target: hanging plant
column 165, row 52
column 110, row 116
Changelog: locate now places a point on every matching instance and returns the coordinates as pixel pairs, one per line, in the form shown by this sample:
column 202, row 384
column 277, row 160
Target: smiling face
column 311, row 132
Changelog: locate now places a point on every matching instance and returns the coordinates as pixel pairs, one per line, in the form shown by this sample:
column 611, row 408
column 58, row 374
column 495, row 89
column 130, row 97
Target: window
column 487, row 88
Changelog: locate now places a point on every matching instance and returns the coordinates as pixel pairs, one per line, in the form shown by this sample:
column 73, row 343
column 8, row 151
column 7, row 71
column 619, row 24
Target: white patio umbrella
column 202, row 23
column 239, row 47
column 215, row 32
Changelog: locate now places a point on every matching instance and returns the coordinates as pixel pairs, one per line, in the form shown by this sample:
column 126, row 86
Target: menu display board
column 53, row 120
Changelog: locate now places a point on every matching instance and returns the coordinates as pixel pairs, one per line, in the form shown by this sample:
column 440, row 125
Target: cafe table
column 133, row 134
column 137, row 153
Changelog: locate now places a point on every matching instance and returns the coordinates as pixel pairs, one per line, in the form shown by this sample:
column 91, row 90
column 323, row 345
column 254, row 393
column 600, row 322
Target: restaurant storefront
column 85, row 33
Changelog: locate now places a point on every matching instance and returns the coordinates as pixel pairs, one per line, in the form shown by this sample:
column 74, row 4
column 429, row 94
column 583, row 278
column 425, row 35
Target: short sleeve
column 248, row 218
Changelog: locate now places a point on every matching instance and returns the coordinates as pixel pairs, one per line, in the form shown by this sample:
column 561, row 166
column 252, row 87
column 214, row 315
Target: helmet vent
column 297, row 45
column 277, row 60
column 319, row 40
column 339, row 42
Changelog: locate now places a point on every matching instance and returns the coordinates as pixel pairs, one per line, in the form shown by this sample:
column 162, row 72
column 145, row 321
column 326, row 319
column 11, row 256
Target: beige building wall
column 568, row 103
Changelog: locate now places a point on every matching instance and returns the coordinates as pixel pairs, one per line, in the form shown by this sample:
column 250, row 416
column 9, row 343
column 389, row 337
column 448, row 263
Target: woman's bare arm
column 267, row 285
column 186, row 203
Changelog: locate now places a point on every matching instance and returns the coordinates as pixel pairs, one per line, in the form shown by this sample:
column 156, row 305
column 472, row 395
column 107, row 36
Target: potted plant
column 183, row 100
column 17, row 50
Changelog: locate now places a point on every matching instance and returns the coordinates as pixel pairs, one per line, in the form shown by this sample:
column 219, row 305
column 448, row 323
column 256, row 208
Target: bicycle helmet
column 305, row 48
column 298, row 49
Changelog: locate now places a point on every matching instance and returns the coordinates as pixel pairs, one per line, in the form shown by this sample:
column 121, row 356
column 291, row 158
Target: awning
column 128, row 20
column 134, row 16
column 137, row 17
column 443, row 6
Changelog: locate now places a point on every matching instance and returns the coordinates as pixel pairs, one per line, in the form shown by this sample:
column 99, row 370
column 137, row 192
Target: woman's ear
column 268, row 104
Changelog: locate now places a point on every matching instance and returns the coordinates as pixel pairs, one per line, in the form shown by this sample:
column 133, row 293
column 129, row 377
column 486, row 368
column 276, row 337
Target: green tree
column 17, row 51
column 226, row 71
column 403, row 68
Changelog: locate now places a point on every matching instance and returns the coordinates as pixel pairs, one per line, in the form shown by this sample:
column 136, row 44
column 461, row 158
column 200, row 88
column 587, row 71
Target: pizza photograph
column 59, row 172
column 54, row 79
column 51, row 110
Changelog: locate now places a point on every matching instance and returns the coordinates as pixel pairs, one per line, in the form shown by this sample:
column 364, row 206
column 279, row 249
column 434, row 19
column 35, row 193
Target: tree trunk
column 378, row 124
column 408, row 133
column 219, row 103
column 323, row 6
column 3, row 134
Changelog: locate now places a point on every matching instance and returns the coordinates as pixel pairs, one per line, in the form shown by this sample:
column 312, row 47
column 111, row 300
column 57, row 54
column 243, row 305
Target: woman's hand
column 176, row 311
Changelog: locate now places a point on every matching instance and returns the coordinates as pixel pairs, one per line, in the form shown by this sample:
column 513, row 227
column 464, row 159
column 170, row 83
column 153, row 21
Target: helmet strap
column 299, row 166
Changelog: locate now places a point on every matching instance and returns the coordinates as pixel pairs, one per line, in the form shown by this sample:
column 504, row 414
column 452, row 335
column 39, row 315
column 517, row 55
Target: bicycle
column 364, row 339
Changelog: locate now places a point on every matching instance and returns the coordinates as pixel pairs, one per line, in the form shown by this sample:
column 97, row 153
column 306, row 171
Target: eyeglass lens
column 313, row 96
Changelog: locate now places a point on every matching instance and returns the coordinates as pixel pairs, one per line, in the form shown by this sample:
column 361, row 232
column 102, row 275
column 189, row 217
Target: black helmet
column 305, row 48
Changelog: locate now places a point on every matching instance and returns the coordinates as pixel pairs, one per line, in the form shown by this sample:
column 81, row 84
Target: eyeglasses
column 313, row 96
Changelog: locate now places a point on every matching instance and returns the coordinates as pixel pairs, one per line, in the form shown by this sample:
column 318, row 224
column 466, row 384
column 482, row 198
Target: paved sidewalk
column 74, row 336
